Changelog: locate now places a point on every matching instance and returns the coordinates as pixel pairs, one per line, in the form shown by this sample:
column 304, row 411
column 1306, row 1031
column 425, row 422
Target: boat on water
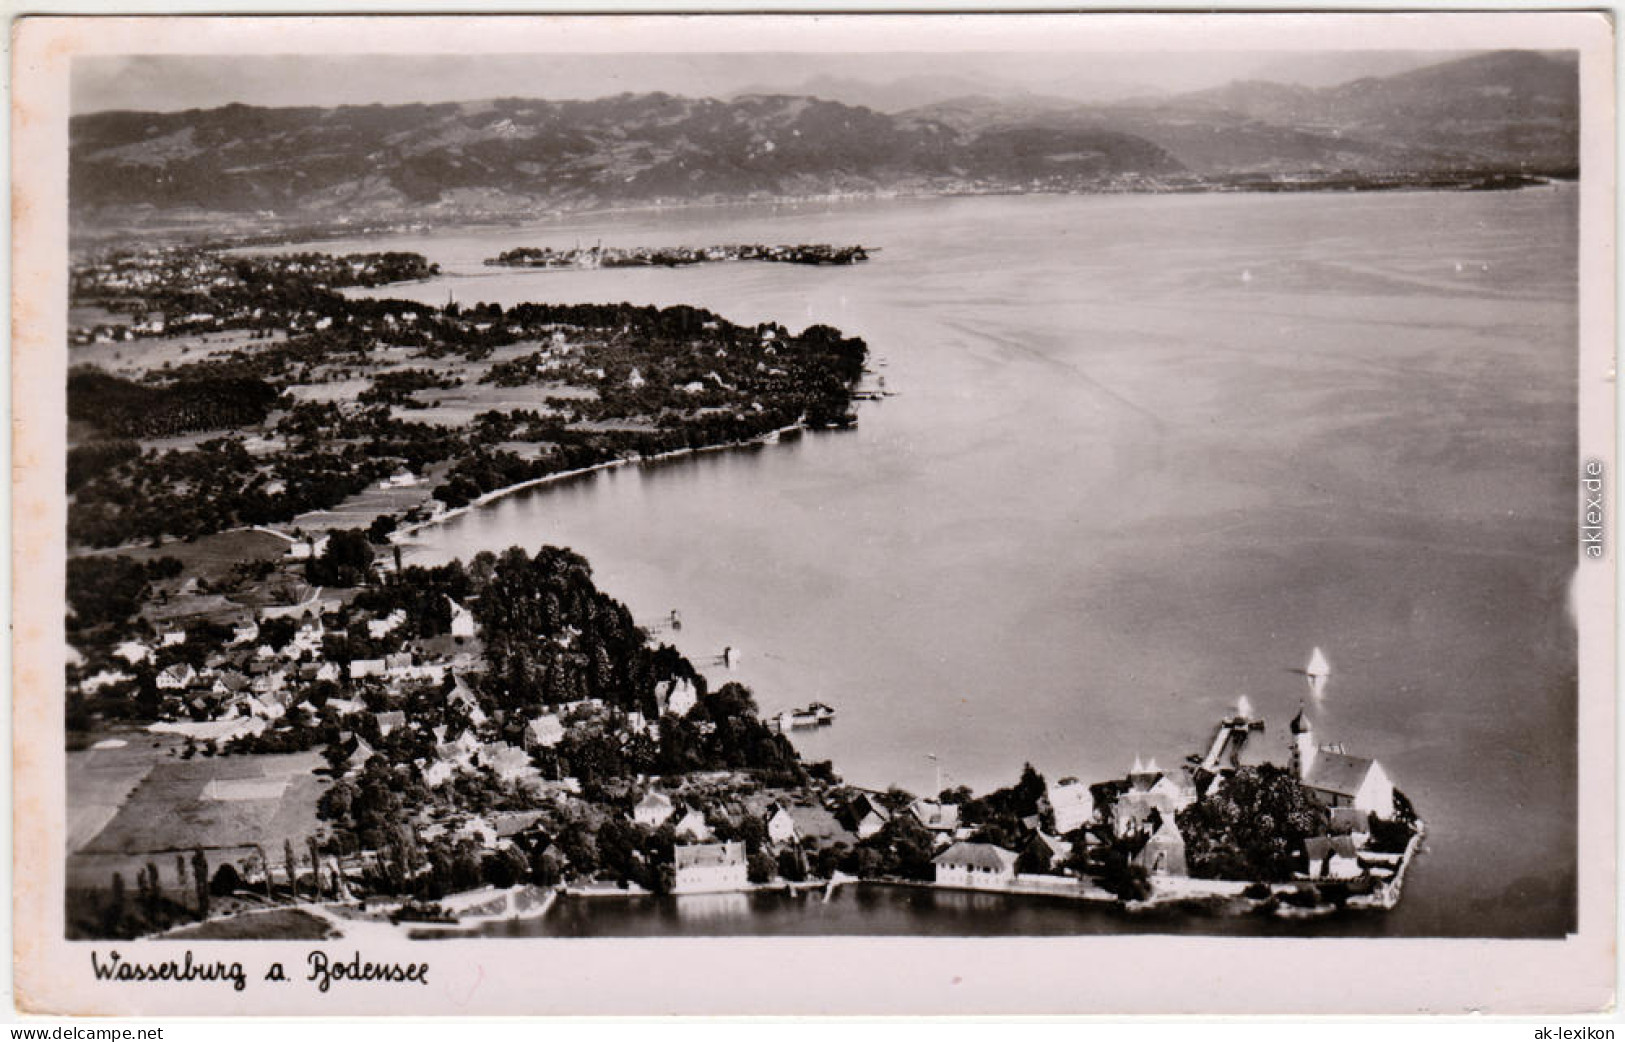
column 815, row 715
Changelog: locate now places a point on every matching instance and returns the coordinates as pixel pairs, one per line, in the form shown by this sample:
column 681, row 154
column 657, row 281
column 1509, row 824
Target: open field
column 134, row 358
column 217, row 802
column 212, row 557
column 100, row 781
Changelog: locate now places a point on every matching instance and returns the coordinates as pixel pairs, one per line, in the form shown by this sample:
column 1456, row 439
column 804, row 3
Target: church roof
column 1300, row 723
column 1338, row 773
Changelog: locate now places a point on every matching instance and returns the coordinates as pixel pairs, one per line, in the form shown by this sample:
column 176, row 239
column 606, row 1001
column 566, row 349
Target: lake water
column 1145, row 453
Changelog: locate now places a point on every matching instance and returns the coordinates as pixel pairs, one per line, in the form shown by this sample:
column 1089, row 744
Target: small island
column 601, row 256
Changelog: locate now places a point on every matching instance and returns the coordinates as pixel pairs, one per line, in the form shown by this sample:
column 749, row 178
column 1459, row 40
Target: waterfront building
column 1332, row 857
column 1337, row 779
column 975, row 866
column 704, row 868
column 1164, row 851
column 1070, row 801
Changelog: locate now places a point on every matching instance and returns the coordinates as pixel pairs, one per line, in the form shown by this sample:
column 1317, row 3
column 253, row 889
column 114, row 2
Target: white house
column 462, row 620
column 133, row 652
column 1332, row 857
column 377, row 629
column 1070, row 802
column 305, row 549
column 366, row 667
column 508, row 762
column 866, row 816
column 544, row 732
column 975, row 866
column 177, row 677
column 463, row 696
column 693, row 826
column 676, row 696
column 710, row 868
column 1337, row 779
column 246, row 632
column 938, row 817
column 389, row 721
column 653, row 810
column 170, row 638
column 781, row 826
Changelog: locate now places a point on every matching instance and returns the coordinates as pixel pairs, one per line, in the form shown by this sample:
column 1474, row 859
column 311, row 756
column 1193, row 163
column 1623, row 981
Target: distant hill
column 1495, row 112
column 1503, row 110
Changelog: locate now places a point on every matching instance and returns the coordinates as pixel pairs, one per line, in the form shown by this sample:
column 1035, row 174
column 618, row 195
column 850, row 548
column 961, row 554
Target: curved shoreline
column 402, row 536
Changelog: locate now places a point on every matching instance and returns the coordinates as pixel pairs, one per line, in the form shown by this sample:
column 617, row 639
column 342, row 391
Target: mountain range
column 1495, row 113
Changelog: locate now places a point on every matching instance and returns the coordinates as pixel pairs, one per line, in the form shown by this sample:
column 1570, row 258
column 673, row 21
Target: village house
column 693, row 826
column 366, row 667
column 936, row 816
column 377, row 629
column 710, row 868
column 865, row 815
column 1164, row 851
column 508, row 762
column 389, row 722
column 676, row 696
column 653, row 810
column 975, row 866
column 170, row 638
column 781, row 826
column 1337, row 779
column 1332, row 857
column 544, row 732
column 1071, row 804
column 133, row 652
column 1045, row 851
column 462, row 620
column 177, row 677
column 246, row 632
column 1152, row 795
column 463, row 697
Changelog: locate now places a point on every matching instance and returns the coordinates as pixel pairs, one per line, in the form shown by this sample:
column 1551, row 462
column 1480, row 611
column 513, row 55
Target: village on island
column 279, row 726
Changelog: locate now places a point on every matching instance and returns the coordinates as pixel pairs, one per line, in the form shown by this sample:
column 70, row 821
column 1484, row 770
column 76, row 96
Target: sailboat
column 1318, row 671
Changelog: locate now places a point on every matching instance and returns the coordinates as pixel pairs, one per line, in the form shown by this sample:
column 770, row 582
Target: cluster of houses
column 1142, row 817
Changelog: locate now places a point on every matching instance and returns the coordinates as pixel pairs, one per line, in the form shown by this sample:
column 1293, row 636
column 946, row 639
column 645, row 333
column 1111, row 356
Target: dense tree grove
column 1252, row 827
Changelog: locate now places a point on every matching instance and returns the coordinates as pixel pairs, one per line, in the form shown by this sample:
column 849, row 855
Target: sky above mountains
column 889, row 82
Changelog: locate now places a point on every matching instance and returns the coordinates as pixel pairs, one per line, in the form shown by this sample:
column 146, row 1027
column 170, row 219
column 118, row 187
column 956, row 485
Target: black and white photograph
column 551, row 486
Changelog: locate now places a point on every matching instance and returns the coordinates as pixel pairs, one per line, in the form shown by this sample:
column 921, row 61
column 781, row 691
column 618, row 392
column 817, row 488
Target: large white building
column 1337, row 779
column 975, row 866
column 707, row 868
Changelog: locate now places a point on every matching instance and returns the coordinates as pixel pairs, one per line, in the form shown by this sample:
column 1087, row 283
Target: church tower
column 1303, row 744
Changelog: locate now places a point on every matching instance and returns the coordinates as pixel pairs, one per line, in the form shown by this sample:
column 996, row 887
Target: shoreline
column 402, row 536
column 313, row 235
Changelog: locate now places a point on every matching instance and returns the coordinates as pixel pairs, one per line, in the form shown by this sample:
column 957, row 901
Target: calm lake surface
column 1146, row 452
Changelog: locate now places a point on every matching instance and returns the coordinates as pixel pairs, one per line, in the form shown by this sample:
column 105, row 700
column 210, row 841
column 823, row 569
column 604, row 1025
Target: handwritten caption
column 320, row 968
